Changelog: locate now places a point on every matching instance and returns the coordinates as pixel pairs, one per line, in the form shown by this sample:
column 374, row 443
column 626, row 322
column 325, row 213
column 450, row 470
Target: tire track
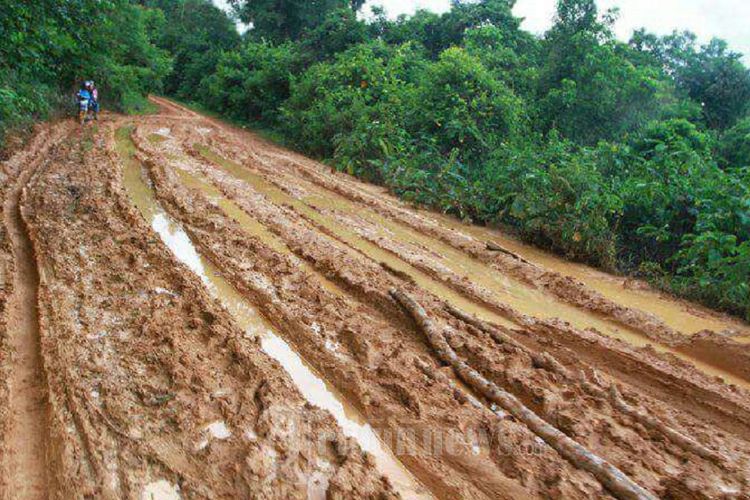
column 25, row 458
column 522, row 374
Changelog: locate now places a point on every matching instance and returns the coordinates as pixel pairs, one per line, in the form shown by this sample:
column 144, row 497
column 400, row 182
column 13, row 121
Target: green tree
column 339, row 31
column 464, row 108
column 195, row 32
column 252, row 82
column 515, row 63
column 712, row 75
column 734, row 145
column 439, row 32
column 588, row 88
column 280, row 20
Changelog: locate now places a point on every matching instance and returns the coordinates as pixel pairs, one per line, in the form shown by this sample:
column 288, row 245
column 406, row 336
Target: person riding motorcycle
column 84, row 100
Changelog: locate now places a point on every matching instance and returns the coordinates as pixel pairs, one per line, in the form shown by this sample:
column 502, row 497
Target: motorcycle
column 85, row 110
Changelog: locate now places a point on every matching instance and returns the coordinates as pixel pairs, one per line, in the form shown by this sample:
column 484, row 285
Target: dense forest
column 634, row 156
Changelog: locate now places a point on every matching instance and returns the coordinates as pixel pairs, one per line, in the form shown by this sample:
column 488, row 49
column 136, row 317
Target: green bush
column 352, row 108
column 252, row 82
column 462, row 107
column 734, row 146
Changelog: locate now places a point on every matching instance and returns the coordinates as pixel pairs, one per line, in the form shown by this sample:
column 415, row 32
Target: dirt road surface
column 189, row 311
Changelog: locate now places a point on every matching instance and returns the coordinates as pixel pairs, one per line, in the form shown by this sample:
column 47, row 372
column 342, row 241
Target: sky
column 727, row 19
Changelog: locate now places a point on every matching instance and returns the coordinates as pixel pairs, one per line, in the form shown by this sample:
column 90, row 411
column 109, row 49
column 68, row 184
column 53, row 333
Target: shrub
column 251, row 83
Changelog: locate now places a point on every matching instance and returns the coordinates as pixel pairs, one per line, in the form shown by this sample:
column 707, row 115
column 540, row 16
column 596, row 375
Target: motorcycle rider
column 84, row 100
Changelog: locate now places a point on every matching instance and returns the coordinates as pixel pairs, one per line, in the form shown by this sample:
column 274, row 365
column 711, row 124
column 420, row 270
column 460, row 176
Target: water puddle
column 673, row 312
column 524, row 298
column 251, row 226
column 351, row 238
column 313, row 387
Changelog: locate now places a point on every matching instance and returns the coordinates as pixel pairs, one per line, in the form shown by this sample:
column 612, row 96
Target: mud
column 315, row 390
column 429, row 254
column 216, row 319
column 151, row 384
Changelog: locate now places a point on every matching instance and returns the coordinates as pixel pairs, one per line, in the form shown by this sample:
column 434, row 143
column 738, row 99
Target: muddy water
column 522, row 297
column 502, row 288
column 316, row 390
column 683, row 317
column 252, row 226
column 352, row 238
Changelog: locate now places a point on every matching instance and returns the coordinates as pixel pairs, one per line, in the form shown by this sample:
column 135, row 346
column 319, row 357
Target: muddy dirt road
column 187, row 310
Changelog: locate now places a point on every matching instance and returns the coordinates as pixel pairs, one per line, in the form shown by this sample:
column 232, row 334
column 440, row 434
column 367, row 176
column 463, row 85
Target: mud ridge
column 611, row 477
column 710, row 347
column 216, row 233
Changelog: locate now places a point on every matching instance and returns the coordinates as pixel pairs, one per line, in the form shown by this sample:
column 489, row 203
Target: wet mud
column 218, row 316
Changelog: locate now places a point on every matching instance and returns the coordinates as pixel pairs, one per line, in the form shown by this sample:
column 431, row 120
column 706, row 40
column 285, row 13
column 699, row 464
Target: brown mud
column 218, row 316
column 346, row 262
column 153, row 389
column 430, row 255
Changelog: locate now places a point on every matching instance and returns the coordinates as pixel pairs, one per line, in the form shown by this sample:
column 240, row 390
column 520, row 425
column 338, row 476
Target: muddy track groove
column 26, row 443
column 166, row 146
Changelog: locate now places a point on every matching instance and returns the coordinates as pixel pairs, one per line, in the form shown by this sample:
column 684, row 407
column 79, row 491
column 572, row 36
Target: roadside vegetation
column 47, row 47
column 634, row 157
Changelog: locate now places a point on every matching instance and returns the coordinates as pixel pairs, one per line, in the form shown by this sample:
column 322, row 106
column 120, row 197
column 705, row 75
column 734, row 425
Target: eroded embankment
column 385, row 345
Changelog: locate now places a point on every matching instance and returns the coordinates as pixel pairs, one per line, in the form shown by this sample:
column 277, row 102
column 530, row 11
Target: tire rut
column 26, row 441
column 562, row 404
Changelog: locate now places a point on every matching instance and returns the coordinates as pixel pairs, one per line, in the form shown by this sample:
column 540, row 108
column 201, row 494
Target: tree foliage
column 47, row 47
column 712, row 75
column 195, row 32
column 280, row 20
